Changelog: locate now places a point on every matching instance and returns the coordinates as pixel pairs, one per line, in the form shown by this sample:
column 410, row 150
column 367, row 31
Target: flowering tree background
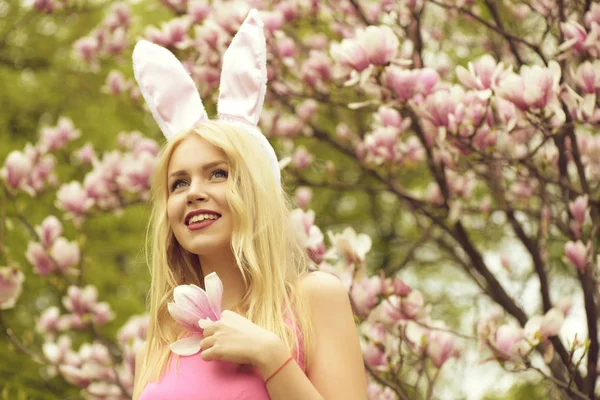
column 457, row 137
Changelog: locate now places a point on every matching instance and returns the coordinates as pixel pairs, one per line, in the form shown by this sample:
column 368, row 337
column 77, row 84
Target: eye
column 219, row 173
column 177, row 184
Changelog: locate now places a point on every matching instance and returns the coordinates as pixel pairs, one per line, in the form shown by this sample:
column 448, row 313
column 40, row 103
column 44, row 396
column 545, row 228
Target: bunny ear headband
column 173, row 97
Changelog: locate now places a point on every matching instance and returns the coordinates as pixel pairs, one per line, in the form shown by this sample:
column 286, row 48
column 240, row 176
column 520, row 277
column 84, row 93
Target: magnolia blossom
column 73, row 198
column 349, row 246
column 198, row 10
column 540, row 328
column 191, row 306
column 482, row 74
column 49, row 320
column 301, row 158
column 365, row 294
column 16, row 168
column 375, row 45
column 576, row 253
column 508, row 342
column 440, row 345
column 575, row 36
column 587, row 77
column 50, row 229
column 303, row 196
column 534, row 88
column 310, row 235
column 64, row 253
column 55, row 138
column 11, row 284
column 115, row 83
column 39, row 258
column 381, row 146
column 579, row 208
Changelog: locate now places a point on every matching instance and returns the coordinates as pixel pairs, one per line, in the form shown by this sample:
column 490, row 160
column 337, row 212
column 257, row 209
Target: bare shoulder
column 335, row 363
column 319, row 285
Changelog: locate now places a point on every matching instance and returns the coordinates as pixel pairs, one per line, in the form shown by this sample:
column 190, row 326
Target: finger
column 207, row 342
column 211, row 353
column 209, row 327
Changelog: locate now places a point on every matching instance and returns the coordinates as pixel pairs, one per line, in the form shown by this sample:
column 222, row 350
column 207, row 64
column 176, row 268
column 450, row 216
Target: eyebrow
column 204, row 168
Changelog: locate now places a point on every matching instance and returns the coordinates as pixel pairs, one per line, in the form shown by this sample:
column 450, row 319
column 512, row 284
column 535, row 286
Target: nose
column 196, row 193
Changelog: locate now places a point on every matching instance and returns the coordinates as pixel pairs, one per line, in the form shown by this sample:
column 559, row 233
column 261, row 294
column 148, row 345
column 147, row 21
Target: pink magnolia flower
column 191, row 306
column 440, row 346
column 102, row 313
column 381, row 146
column 135, row 328
column 587, row 77
column 592, row 16
column 540, row 328
column 11, row 284
column 86, row 154
column 73, row 198
column 48, row 322
column 57, row 137
column 307, row 109
column 579, row 208
column 87, row 48
column 39, row 258
column 16, row 168
column 390, row 117
column 507, row 342
column 44, row 5
column 482, row 74
column 301, row 158
column 534, row 88
column 122, row 14
column 286, row 47
column 66, row 254
column 273, row 20
column 373, row 355
column 115, row 83
column 380, row 42
column 350, row 53
column 576, row 253
column 575, row 36
column 59, row 351
column 402, row 81
column 349, row 245
column 365, row 294
column 303, row 196
column 377, row 392
column 317, row 68
column 81, row 301
column 309, row 234
column 198, row 10
column 50, row 229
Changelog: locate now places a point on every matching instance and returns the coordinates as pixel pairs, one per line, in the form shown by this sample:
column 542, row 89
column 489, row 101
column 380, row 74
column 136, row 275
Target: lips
column 198, row 212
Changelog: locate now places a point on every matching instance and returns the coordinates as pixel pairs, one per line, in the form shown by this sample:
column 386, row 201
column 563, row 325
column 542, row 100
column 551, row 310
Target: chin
column 207, row 246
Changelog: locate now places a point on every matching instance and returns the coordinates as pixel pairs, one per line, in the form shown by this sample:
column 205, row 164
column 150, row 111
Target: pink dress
column 196, row 379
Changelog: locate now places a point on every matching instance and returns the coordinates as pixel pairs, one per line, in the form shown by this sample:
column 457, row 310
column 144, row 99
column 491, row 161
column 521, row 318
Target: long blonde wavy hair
column 265, row 245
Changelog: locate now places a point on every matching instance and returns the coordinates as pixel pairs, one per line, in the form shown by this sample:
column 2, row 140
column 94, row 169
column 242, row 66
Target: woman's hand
column 236, row 339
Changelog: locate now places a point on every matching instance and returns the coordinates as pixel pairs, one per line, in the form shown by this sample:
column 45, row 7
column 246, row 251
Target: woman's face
column 197, row 208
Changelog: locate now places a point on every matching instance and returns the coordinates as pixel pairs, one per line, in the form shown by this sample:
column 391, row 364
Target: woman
column 218, row 206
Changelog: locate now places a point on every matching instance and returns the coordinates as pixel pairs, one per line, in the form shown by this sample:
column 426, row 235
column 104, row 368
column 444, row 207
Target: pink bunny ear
column 167, row 88
column 244, row 73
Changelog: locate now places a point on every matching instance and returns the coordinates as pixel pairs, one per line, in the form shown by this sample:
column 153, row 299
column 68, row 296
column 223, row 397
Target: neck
column 225, row 266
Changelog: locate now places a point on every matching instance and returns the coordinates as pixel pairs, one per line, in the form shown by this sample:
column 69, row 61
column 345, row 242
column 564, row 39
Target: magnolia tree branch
column 509, row 37
column 492, row 7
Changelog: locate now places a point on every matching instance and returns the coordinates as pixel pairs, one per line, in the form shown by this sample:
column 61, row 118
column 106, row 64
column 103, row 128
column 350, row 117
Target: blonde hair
column 266, row 249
